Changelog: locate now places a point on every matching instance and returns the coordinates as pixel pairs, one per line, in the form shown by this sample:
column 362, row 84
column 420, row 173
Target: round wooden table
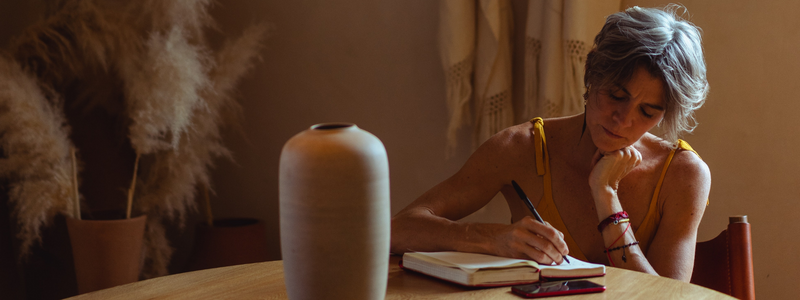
column 265, row 281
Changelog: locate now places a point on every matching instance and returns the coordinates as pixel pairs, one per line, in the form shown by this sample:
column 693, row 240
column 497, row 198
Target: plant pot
column 107, row 253
column 231, row 241
column 334, row 214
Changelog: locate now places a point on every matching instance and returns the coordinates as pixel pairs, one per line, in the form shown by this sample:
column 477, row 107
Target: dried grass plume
column 176, row 96
column 36, row 157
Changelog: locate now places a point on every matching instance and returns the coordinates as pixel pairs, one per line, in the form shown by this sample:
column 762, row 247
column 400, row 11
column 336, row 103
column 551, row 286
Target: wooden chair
column 725, row 263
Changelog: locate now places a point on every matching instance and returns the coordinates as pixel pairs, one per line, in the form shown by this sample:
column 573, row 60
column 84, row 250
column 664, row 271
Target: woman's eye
column 617, row 98
column 646, row 115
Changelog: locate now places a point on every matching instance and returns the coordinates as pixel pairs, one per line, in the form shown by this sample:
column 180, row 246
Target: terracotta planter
column 229, row 242
column 107, row 253
column 334, row 214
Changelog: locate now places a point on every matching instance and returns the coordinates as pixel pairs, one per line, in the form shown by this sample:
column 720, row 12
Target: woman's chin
column 610, row 146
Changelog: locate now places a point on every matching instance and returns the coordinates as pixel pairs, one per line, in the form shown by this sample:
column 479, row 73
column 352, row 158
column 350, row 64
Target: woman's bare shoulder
column 513, row 137
column 684, row 162
column 507, row 150
column 685, row 168
column 690, row 168
column 688, row 177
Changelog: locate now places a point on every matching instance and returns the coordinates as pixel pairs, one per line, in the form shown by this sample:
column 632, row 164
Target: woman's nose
column 624, row 114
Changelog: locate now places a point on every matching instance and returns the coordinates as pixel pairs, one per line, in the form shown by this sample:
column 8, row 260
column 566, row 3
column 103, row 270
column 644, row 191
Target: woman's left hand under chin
column 610, row 167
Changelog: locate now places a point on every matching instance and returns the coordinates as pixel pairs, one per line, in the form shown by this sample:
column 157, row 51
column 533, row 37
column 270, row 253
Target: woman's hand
column 610, row 167
column 529, row 239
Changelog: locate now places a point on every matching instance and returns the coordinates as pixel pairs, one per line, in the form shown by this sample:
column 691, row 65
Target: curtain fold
column 558, row 35
column 477, row 51
column 492, row 79
column 457, row 50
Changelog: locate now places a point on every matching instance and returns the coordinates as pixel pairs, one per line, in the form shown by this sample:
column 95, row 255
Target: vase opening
column 331, row 126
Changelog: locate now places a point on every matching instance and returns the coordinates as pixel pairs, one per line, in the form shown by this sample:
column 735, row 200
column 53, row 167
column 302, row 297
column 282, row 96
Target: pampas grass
column 37, row 153
column 172, row 177
column 191, row 15
column 162, row 89
column 170, row 181
column 177, row 95
column 76, row 36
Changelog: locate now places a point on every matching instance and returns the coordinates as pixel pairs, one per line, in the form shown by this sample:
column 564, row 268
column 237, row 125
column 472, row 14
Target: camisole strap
column 538, row 125
column 646, row 231
column 546, row 207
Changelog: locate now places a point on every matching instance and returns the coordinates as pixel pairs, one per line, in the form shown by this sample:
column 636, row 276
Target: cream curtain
column 476, row 49
column 457, row 50
column 558, row 35
column 475, row 43
column 493, row 107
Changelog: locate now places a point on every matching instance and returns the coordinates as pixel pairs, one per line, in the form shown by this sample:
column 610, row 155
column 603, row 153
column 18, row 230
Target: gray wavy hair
column 668, row 46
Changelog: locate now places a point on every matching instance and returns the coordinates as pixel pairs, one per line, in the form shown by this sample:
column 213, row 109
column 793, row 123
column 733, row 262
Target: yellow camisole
column 547, row 208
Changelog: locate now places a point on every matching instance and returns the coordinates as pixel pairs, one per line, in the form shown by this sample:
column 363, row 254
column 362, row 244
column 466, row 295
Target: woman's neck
column 583, row 151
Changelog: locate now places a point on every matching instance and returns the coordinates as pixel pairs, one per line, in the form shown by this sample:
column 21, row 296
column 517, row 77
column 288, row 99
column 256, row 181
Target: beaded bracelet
column 614, row 242
column 624, row 258
column 621, row 247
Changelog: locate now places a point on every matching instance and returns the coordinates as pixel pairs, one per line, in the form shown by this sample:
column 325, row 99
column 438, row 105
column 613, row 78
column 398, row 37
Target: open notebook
column 473, row 269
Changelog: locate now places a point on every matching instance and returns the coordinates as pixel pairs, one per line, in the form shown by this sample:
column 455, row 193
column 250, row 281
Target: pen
column 530, row 206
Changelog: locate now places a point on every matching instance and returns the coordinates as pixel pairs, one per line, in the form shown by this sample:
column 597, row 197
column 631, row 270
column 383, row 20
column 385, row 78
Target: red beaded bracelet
column 612, row 219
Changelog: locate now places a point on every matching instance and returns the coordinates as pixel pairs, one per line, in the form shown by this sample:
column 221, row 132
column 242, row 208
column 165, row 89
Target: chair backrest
column 725, row 263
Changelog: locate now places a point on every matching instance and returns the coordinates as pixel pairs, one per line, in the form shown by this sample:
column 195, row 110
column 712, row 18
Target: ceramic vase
column 231, row 241
column 107, row 253
column 334, row 213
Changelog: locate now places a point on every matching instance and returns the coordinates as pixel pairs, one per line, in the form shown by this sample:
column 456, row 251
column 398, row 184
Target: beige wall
column 375, row 63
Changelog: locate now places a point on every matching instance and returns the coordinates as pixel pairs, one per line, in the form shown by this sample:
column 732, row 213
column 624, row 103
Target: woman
column 582, row 172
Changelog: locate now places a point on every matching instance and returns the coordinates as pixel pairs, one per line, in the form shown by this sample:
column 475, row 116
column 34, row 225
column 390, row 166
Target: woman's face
column 619, row 116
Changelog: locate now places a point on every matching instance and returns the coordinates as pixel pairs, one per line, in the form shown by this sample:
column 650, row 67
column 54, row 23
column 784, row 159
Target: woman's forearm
column 421, row 230
column 622, row 249
column 606, row 202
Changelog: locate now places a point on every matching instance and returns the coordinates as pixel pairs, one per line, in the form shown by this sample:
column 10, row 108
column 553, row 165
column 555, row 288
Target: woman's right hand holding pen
column 529, row 239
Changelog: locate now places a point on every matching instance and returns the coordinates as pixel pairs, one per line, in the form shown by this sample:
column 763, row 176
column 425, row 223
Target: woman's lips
column 612, row 134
